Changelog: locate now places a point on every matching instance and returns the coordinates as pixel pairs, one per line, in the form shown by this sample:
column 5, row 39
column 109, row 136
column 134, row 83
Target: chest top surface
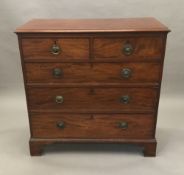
column 92, row 25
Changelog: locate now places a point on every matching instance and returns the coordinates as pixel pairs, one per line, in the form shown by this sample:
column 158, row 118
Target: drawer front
column 126, row 126
column 92, row 99
column 129, row 49
column 56, row 49
column 96, row 73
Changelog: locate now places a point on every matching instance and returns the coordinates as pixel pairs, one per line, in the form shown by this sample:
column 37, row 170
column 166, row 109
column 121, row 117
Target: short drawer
column 95, row 73
column 126, row 126
column 55, row 49
column 128, row 49
column 92, row 99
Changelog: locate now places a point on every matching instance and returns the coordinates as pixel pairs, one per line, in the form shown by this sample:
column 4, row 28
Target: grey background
column 14, row 132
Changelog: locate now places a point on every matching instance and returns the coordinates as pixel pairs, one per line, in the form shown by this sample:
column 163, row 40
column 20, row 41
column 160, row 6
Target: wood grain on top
column 92, row 25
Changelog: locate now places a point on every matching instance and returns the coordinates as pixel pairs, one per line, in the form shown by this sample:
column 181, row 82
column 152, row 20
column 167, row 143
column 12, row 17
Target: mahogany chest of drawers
column 92, row 80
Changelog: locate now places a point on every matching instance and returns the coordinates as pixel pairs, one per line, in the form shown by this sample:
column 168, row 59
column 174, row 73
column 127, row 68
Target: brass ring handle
column 57, row 72
column 126, row 73
column 55, row 49
column 60, row 124
column 59, row 99
column 128, row 49
column 123, row 125
column 125, row 99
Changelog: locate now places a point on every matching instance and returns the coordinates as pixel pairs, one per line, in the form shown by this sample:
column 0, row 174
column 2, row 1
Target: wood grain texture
column 92, row 73
column 112, row 48
column 92, row 25
column 71, row 48
column 92, row 126
column 92, row 99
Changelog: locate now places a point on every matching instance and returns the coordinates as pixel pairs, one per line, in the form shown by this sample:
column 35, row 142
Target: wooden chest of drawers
column 92, row 81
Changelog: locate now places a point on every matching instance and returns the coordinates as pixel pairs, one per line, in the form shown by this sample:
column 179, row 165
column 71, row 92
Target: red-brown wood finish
column 92, row 100
column 71, row 48
column 92, row 73
column 91, row 82
column 92, row 25
column 145, row 48
column 140, row 126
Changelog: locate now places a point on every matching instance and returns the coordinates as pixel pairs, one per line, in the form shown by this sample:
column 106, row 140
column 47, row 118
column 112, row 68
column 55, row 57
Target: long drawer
column 134, row 126
column 92, row 73
column 91, row 99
